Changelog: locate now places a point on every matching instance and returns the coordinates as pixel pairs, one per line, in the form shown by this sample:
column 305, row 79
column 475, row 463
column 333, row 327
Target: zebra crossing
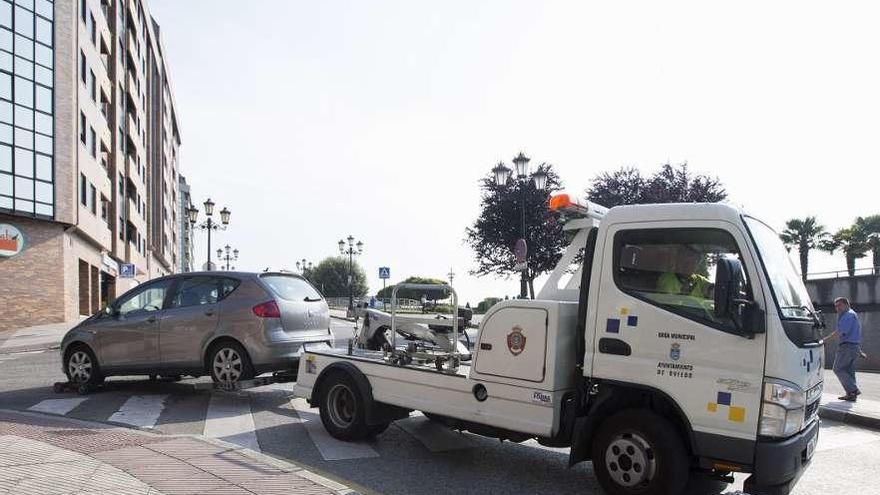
column 230, row 417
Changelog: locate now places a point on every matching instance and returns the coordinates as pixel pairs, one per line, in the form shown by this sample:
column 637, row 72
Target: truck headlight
column 782, row 411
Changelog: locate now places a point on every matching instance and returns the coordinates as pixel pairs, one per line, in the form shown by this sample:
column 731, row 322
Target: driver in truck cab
column 684, row 276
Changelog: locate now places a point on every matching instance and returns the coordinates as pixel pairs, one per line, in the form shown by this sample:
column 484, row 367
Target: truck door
column 655, row 324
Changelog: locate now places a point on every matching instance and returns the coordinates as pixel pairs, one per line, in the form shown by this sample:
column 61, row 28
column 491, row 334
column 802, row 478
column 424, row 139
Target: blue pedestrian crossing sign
column 384, row 272
column 126, row 270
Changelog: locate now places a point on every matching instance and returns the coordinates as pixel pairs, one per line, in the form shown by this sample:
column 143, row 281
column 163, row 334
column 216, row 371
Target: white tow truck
column 670, row 341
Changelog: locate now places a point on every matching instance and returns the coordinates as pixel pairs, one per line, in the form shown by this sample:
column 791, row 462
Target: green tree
column 404, row 293
column 852, row 241
column 670, row 184
column 486, row 303
column 804, row 234
column 871, row 226
column 495, row 232
column 330, row 276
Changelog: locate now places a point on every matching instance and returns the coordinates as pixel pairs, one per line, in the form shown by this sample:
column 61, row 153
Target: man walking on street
column 850, row 331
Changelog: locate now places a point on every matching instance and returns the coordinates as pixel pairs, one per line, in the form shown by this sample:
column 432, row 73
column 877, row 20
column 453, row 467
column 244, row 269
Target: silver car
column 231, row 325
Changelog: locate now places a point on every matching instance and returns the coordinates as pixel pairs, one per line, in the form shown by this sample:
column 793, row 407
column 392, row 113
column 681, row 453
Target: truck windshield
column 791, row 295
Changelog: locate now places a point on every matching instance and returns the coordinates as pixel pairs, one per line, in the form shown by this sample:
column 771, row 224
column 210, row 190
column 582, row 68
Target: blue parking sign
column 126, row 270
column 384, row 272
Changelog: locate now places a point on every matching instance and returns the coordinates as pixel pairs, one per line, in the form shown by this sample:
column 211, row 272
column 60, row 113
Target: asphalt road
column 414, row 456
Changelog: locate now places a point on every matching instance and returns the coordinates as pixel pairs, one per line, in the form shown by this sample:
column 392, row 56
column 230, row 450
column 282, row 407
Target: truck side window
column 674, row 269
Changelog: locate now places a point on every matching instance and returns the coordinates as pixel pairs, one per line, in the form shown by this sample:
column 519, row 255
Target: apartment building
column 89, row 146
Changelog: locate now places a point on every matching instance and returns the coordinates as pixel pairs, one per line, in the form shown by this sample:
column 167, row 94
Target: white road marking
column 434, row 436
column 57, row 406
column 140, row 410
column 330, row 448
column 229, row 418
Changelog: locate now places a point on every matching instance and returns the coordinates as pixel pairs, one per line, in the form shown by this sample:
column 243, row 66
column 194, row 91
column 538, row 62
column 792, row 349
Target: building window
column 94, row 30
column 83, row 67
column 26, row 120
column 93, row 86
column 94, row 147
column 83, row 10
column 82, row 128
column 94, row 199
column 105, row 207
column 83, row 199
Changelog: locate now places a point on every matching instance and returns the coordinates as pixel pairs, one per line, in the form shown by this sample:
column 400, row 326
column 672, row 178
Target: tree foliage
column 871, row 227
column 486, row 303
column 404, row 293
column 670, row 184
column 330, row 276
column 852, row 241
column 495, row 232
column 804, row 234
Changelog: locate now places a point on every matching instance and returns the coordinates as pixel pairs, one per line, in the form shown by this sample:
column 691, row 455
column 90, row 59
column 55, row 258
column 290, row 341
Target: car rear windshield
column 291, row 288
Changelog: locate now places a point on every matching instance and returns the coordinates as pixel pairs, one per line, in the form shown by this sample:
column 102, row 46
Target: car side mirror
column 730, row 302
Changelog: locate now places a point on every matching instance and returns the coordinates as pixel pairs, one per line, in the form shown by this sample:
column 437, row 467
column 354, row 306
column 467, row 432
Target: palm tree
column 871, row 226
column 805, row 234
column 853, row 241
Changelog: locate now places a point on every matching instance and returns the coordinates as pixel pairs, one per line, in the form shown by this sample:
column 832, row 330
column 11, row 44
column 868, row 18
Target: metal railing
column 844, row 273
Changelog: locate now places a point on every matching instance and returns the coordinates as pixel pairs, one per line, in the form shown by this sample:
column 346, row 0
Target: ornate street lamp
column 502, row 173
column 209, row 224
column 228, row 256
column 502, row 176
column 352, row 250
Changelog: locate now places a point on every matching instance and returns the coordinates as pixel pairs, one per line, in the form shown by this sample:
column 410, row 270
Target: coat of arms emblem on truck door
column 516, row 341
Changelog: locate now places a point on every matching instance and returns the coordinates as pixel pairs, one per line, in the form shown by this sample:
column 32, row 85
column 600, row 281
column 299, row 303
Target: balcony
column 132, row 133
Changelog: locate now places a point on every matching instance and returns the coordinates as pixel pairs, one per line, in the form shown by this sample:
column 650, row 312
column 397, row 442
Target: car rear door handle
column 614, row 346
column 209, row 312
column 151, row 319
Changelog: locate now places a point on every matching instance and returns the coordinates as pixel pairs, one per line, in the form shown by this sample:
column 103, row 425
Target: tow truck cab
column 670, row 339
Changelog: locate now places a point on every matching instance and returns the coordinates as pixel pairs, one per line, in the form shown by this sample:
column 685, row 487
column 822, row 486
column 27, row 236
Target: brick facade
column 33, row 289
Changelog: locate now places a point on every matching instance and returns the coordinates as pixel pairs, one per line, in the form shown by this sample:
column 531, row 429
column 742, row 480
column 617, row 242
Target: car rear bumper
column 283, row 355
column 779, row 464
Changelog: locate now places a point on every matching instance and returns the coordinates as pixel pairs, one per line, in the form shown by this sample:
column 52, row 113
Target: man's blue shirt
column 849, row 327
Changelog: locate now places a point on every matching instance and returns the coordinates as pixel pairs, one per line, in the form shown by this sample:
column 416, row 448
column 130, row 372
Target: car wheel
column 230, row 363
column 343, row 409
column 81, row 367
column 640, row 453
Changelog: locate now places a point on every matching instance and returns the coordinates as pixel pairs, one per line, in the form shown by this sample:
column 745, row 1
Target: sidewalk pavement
column 340, row 314
column 43, row 455
column 36, row 338
column 864, row 412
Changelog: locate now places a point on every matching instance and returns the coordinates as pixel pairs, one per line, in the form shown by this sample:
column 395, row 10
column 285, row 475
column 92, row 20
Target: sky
column 312, row 121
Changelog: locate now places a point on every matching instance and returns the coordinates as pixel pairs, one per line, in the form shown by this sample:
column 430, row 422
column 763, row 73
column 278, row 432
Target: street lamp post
column 228, row 256
column 209, row 224
column 350, row 251
column 304, row 267
column 502, row 177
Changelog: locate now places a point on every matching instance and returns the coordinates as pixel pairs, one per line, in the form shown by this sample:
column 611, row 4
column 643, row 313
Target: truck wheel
column 343, row 409
column 637, row 452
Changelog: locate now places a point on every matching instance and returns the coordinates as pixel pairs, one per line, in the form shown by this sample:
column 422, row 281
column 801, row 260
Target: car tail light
column 268, row 309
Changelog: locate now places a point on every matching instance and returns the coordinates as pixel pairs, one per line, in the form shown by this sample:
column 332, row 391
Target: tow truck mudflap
column 779, row 465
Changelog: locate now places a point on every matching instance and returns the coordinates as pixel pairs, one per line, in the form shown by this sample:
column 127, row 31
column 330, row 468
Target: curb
column 862, row 420
column 343, row 318
column 29, row 349
column 284, row 465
